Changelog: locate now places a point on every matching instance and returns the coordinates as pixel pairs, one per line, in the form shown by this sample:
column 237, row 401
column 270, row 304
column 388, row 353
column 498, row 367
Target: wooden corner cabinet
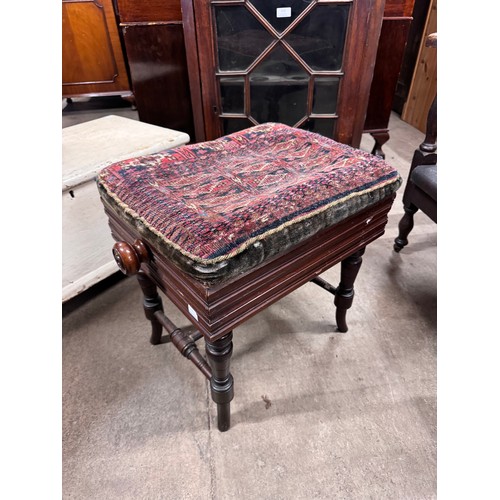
column 92, row 57
column 305, row 63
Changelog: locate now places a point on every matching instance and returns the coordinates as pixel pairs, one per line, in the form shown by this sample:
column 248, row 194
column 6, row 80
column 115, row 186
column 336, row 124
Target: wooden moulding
column 150, row 11
column 217, row 309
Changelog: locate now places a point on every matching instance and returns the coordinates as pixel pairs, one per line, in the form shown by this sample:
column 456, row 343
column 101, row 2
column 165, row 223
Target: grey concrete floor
column 348, row 415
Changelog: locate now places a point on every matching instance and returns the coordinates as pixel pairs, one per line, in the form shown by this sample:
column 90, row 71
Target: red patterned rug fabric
column 212, row 200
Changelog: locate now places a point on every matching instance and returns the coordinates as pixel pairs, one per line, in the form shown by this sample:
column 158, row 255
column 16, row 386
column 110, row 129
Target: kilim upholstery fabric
column 219, row 208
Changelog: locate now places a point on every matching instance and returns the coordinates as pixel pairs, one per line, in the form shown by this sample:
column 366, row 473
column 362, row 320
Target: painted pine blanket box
column 87, row 148
column 227, row 227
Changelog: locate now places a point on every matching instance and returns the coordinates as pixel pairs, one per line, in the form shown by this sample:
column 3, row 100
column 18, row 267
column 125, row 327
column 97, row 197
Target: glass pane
column 278, row 89
column 232, row 92
column 240, row 37
column 280, row 13
column 230, row 125
column 319, row 38
column 325, row 94
column 323, row 126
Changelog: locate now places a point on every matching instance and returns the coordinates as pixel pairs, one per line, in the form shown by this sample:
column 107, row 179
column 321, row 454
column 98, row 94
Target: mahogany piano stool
column 227, row 227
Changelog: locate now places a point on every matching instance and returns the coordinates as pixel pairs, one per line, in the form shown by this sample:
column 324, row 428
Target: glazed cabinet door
column 305, row 63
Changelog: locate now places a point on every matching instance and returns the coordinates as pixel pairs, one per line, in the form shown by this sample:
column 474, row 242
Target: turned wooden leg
column 380, row 139
column 129, row 258
column 131, row 99
column 152, row 303
column 405, row 226
column 344, row 294
column 221, row 384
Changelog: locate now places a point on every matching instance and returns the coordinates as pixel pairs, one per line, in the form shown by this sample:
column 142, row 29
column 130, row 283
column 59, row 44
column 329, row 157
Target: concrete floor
column 316, row 413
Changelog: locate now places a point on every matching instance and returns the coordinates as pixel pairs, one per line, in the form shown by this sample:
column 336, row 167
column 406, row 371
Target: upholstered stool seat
column 227, row 227
column 220, row 208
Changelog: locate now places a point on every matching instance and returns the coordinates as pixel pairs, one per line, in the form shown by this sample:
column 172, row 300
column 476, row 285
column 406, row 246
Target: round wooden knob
column 130, row 257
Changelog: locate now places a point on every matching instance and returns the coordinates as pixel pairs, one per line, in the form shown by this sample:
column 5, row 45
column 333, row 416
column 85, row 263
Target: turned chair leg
column 152, row 303
column 405, row 226
column 380, row 139
column 221, row 384
column 344, row 294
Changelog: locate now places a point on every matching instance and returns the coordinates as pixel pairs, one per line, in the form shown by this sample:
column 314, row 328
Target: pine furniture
column 86, row 149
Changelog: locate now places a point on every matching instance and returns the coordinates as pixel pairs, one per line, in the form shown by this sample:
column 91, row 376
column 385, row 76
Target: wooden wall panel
column 424, row 83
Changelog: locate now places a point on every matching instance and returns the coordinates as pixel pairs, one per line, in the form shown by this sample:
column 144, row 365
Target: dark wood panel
column 157, row 62
column 203, row 37
column 193, row 68
column 150, row 10
column 419, row 16
column 398, row 8
column 360, row 56
column 389, row 57
column 391, row 46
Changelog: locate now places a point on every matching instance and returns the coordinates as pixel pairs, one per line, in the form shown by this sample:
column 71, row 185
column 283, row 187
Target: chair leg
column 152, row 303
column 405, row 226
column 221, row 383
column 344, row 294
column 380, row 139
